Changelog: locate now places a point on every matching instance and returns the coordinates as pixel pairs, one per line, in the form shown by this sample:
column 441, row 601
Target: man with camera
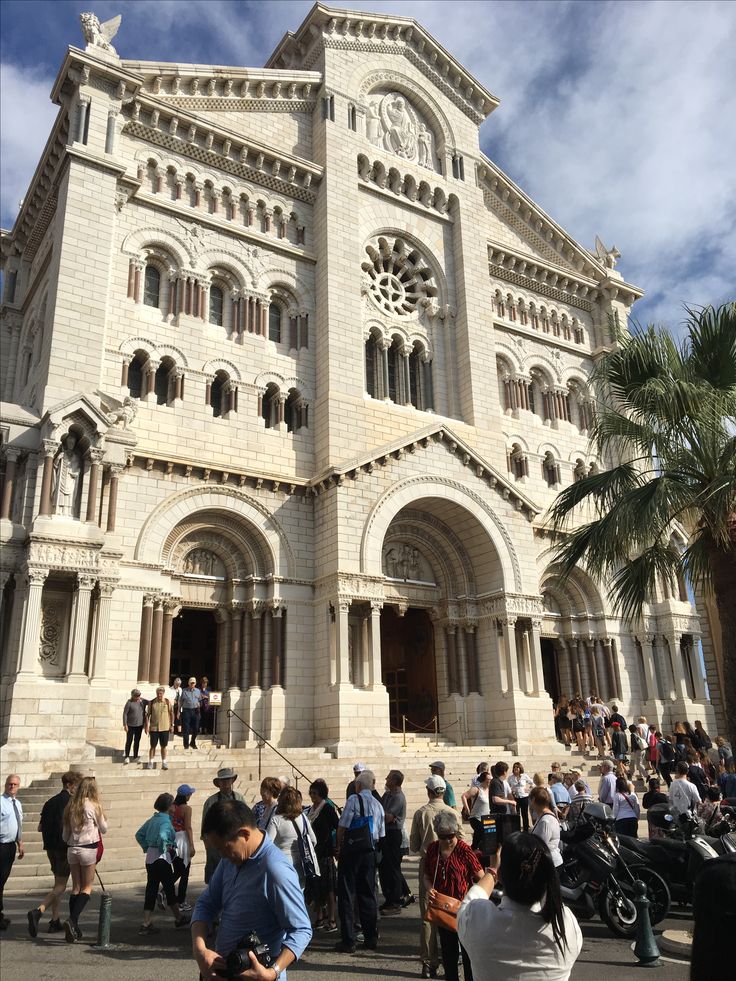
column 255, row 894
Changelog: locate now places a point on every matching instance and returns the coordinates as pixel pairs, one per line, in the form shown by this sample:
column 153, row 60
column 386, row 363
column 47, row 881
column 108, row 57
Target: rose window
column 398, row 278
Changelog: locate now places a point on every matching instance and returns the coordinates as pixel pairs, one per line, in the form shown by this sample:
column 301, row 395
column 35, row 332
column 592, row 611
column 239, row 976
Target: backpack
column 667, row 752
column 680, row 752
column 310, row 865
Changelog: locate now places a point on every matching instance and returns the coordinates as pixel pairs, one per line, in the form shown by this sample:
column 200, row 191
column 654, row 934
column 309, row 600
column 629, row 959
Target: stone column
column 618, row 687
column 364, row 660
column 245, row 652
column 589, row 646
column 256, row 644
column 277, row 646
column 385, row 344
column 404, row 352
column 98, row 668
column 154, row 665
column 223, row 649
column 678, row 667
column 95, row 459
column 472, row 658
column 78, row 650
column 236, row 616
column 650, row 672
column 692, row 654
column 48, row 451
column 112, row 501
column 11, row 456
column 462, row 663
column 576, row 683
column 376, row 674
column 171, row 609
column 31, row 629
column 582, row 662
column 453, row 687
column 342, row 651
column 535, row 643
column 144, row 644
column 508, row 642
column 613, row 688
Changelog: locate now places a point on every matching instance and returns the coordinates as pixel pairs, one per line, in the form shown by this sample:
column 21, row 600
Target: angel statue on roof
column 100, row 35
column 608, row 257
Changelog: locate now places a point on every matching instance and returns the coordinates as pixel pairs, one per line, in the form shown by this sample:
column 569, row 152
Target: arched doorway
column 194, row 644
column 408, row 668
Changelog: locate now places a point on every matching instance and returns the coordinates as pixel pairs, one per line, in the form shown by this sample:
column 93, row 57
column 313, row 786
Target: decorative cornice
column 529, row 272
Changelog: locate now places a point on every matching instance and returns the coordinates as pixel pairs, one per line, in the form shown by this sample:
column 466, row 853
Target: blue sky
column 616, row 117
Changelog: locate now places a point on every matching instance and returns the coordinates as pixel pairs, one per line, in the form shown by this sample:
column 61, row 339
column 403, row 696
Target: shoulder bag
column 310, row 865
column 442, row 910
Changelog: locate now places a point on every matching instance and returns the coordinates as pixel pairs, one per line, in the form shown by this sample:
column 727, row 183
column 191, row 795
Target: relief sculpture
column 50, row 635
column 393, row 124
column 202, row 562
column 406, row 562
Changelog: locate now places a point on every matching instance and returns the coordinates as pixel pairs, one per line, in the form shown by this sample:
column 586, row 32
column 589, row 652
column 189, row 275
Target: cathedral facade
column 292, row 373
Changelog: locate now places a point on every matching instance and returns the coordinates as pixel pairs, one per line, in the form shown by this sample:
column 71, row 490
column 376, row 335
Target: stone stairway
column 128, row 792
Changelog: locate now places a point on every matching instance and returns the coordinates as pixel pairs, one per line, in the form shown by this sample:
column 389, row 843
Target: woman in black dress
column 320, row 893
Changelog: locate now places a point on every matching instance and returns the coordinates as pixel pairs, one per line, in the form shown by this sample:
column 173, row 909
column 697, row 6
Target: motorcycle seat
column 656, row 849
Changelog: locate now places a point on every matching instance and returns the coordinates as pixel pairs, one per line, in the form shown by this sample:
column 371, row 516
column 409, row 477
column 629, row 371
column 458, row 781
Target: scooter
column 677, row 857
column 595, row 878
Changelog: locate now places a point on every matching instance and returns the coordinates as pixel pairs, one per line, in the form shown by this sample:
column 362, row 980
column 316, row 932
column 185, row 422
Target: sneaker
column 150, row 765
column 34, row 918
column 147, row 929
column 55, row 926
column 371, row 943
column 342, row 948
column 70, row 934
column 185, row 907
column 126, row 760
column 164, row 766
column 408, row 900
column 390, row 910
column 330, row 927
column 359, row 937
column 136, row 759
column 161, row 898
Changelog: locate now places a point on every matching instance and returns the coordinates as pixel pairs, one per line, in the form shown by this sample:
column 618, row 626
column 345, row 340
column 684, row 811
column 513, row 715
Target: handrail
column 262, row 741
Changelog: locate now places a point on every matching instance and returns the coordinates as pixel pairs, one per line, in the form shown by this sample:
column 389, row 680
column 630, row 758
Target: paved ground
column 166, row 957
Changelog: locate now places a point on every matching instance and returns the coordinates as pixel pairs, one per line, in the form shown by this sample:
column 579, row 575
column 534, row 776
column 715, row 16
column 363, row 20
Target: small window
column 270, row 406
column 218, row 398
column 216, row 305
column 274, row 323
column 151, row 287
column 135, row 376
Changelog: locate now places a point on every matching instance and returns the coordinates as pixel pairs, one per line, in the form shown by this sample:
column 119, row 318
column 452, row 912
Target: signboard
column 215, row 698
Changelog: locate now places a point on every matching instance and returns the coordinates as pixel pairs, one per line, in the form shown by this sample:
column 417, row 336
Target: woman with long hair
column 321, row 892
column 578, row 724
column 477, row 803
column 450, row 868
column 563, row 722
column 626, row 809
column 287, row 824
column 84, row 824
column 546, row 822
column 531, row 933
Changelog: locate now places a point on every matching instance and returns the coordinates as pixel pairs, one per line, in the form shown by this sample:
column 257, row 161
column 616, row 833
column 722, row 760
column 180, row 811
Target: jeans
column 159, row 873
column 522, row 808
column 356, row 880
column 450, row 946
column 133, row 738
column 389, row 871
column 189, row 726
column 181, row 875
column 8, row 850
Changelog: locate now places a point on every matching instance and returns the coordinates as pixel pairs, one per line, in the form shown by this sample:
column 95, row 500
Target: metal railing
column 260, row 743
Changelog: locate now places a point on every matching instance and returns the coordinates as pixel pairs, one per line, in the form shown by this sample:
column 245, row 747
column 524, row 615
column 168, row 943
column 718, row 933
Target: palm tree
column 666, row 421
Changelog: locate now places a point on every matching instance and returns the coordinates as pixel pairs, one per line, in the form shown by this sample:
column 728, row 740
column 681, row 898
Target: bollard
column 103, row 926
column 645, row 948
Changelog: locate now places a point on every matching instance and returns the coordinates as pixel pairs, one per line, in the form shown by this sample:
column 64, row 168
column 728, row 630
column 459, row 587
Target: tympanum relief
column 394, row 124
column 403, row 561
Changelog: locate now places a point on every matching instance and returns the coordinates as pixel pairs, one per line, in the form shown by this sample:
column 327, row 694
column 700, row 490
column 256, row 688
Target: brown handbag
column 442, row 910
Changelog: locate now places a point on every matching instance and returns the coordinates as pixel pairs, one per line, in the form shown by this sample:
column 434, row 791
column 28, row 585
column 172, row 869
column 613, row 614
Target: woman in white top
column 626, row 809
column 546, row 824
column 478, row 804
column 531, row 934
column 521, row 784
column 287, row 825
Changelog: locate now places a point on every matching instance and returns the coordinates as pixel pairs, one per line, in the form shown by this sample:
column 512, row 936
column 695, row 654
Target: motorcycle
column 679, row 855
column 596, row 878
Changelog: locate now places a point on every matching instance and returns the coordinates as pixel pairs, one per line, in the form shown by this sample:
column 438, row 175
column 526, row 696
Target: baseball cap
column 435, row 783
column 185, row 789
column 358, row 767
column 437, row 765
column 134, row 692
column 616, row 725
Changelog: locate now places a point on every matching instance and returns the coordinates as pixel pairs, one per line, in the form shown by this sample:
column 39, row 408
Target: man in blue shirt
column 11, row 836
column 255, row 888
column 559, row 793
column 356, row 873
column 189, row 706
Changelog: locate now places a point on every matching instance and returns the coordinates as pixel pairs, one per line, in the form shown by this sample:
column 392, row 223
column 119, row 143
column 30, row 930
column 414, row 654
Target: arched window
column 394, row 372
column 135, row 374
column 373, row 367
column 518, row 462
column 274, row 323
column 151, row 286
column 218, row 394
column 163, row 385
column 295, row 412
column 550, row 470
column 216, row 305
column 270, row 406
column 420, row 379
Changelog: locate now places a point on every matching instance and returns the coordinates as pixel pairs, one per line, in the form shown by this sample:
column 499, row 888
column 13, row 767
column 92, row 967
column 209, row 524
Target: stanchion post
column 436, row 731
column 103, row 925
column 403, row 730
column 645, row 948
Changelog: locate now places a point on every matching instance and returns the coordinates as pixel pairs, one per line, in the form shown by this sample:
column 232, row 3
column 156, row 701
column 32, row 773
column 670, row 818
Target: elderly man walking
column 422, row 835
column 11, row 835
column 224, row 781
column 359, row 831
column 607, row 786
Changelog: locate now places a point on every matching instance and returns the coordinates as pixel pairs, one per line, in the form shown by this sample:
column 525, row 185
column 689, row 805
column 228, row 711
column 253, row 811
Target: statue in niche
column 373, row 123
column 67, row 486
column 201, row 562
column 393, row 124
column 400, row 132
column 402, row 562
column 424, row 146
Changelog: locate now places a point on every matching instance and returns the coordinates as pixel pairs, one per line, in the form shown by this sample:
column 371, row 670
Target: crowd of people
column 176, row 710
column 339, row 855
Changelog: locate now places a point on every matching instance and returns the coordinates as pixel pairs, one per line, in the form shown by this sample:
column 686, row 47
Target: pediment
column 79, row 407
column 418, row 442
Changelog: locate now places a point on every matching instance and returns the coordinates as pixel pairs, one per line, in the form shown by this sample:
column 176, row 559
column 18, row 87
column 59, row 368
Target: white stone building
column 291, row 374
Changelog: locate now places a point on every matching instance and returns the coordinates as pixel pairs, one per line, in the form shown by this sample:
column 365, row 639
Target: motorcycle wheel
column 618, row 912
column 658, row 893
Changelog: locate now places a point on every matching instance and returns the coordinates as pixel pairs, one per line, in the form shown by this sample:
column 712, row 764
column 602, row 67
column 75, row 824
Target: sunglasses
column 446, row 837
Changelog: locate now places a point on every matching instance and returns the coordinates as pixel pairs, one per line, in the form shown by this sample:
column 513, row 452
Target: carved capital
column 11, row 453
column 49, row 447
column 37, row 577
column 86, row 583
column 106, row 587
column 95, row 455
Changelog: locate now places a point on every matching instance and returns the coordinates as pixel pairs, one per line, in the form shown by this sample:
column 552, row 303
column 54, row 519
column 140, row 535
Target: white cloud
column 27, row 116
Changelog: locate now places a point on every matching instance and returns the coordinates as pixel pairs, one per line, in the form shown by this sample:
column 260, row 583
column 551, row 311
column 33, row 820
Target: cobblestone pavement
column 166, row 956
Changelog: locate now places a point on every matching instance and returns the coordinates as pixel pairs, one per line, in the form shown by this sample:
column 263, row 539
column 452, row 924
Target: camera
column 238, row 960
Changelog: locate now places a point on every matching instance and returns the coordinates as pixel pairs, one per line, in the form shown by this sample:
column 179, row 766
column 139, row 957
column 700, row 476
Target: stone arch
column 176, row 355
column 583, row 595
column 228, row 501
column 231, row 262
column 133, row 344
column 135, row 244
column 220, row 364
column 278, row 276
column 413, row 489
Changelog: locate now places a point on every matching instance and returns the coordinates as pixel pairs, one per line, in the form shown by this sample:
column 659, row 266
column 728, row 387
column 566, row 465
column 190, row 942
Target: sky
column 617, row 118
